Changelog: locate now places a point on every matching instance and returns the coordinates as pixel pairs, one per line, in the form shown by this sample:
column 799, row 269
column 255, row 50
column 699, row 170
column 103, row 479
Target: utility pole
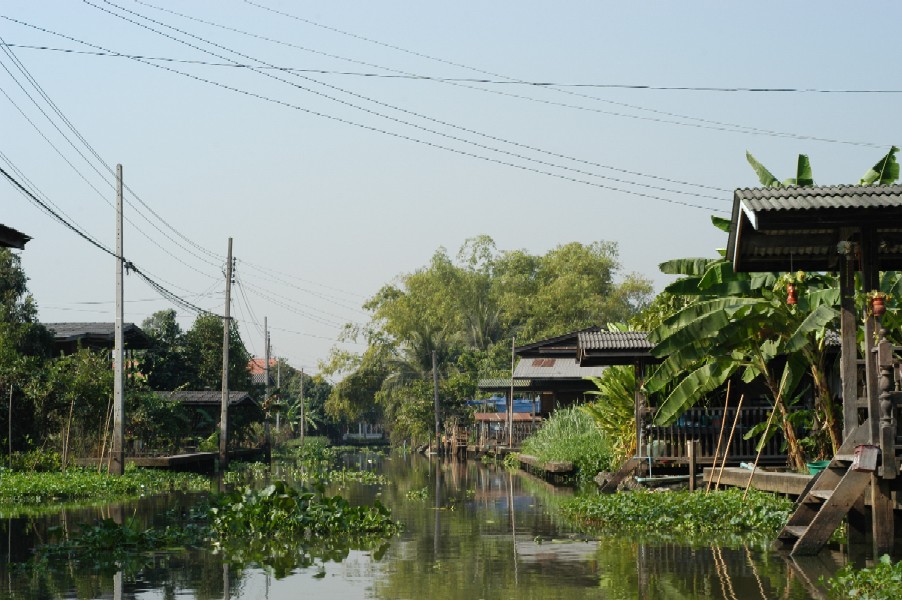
column 117, row 459
column 438, row 439
column 510, row 405
column 226, row 327
column 266, row 399
column 279, row 388
column 303, row 407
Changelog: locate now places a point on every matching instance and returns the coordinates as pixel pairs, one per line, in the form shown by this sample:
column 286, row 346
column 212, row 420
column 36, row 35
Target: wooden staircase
column 822, row 507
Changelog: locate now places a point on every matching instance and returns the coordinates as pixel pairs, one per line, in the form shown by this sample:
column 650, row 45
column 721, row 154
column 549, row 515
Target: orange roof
column 257, row 366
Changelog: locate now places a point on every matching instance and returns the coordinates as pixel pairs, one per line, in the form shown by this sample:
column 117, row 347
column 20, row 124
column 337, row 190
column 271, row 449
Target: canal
column 471, row 531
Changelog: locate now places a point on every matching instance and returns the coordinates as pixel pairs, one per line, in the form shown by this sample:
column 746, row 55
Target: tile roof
column 501, row 383
column 614, row 340
column 820, row 197
column 782, row 229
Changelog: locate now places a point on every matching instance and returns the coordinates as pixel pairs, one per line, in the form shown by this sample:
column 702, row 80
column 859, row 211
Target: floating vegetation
column 418, row 494
column 883, row 581
column 682, row 515
column 33, row 488
column 280, row 526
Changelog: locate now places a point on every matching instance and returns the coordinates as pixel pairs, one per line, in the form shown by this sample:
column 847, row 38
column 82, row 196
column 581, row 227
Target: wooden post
column 694, row 448
column 849, row 346
column 510, row 404
column 639, row 406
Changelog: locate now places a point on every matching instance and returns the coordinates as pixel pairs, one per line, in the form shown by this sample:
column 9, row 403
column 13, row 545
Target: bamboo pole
column 726, row 450
column 723, row 424
column 760, row 450
column 106, row 428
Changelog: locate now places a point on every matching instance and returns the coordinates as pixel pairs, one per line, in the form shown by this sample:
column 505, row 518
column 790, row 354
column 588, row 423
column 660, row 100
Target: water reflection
column 480, row 532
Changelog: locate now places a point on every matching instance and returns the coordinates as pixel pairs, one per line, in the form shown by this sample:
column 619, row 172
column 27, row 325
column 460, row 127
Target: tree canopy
column 467, row 309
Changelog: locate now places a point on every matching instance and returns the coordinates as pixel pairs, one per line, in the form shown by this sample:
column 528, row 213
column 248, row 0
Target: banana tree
column 737, row 324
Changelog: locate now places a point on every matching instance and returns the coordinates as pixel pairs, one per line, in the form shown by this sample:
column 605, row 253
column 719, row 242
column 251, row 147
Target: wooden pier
column 198, row 462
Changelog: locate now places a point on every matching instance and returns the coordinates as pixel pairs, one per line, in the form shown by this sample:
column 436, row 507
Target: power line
column 22, row 69
column 129, row 266
column 400, row 135
column 410, row 112
column 700, row 121
column 485, row 81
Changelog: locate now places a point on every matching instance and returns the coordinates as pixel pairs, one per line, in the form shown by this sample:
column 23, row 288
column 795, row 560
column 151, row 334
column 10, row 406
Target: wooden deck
column 792, row 484
column 201, row 462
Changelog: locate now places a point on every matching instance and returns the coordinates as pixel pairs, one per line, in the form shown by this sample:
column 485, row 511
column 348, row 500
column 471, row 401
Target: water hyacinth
column 682, row 514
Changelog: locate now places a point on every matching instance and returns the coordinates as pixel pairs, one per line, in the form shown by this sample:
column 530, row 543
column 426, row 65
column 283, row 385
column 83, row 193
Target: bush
column 571, row 435
column 39, row 459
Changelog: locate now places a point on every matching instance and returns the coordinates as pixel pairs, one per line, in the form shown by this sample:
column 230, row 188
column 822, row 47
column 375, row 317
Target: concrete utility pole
column 510, row 405
column 279, row 387
column 303, row 416
column 117, row 459
column 226, row 327
column 266, row 391
column 438, row 439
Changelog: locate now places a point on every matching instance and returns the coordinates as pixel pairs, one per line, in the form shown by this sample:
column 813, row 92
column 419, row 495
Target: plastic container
column 817, row 466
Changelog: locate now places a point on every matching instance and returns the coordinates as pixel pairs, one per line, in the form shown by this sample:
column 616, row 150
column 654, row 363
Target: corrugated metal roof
column 614, row 340
column 820, row 197
column 554, row 368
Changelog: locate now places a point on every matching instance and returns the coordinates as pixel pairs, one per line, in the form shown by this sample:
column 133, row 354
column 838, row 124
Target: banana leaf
column 816, row 320
column 706, row 378
column 687, row 266
column 885, row 172
column 766, row 178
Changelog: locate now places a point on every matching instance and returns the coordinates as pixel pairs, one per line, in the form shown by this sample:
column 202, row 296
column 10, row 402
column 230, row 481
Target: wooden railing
column 704, row 425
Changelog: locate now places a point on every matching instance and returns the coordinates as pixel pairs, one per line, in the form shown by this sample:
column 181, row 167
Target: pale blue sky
column 340, row 209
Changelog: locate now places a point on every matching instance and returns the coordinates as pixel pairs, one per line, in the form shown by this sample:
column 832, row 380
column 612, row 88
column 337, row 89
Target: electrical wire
column 390, row 133
column 420, row 77
column 402, row 110
column 40, row 90
column 128, row 265
column 700, row 121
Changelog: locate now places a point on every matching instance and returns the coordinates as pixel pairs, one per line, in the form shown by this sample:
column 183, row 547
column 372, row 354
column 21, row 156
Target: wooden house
column 847, row 230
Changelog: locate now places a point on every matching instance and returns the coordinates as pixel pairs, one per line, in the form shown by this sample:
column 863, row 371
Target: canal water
column 471, row 531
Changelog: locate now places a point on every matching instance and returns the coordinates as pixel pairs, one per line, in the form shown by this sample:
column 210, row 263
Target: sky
column 357, row 138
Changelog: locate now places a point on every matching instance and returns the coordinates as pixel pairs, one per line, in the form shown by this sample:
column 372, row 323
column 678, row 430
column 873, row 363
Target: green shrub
column 571, row 435
column 39, row 459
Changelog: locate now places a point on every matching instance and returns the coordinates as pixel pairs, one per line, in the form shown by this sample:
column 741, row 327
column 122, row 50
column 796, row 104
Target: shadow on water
column 470, row 531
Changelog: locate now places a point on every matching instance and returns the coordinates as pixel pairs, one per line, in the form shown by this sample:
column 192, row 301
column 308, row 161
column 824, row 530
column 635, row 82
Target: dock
column 198, row 462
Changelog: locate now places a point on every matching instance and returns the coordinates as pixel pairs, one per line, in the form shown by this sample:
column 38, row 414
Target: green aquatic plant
column 417, row 494
column 30, row 488
column 681, row 515
column 883, row 581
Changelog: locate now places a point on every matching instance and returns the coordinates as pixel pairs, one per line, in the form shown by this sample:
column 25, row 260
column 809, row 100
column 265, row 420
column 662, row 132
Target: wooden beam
column 848, row 341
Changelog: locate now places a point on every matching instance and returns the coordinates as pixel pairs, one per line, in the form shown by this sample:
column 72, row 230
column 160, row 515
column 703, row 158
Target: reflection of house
column 11, row 238
column 69, row 337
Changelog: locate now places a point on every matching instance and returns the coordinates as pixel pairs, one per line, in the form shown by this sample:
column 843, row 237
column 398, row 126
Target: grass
column 571, row 435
